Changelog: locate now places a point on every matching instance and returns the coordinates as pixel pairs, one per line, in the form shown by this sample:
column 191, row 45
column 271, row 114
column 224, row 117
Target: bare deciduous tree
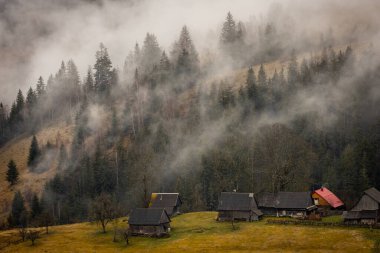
column 103, row 210
column 33, row 235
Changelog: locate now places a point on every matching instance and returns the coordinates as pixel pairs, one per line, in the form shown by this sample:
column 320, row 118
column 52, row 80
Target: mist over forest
column 195, row 97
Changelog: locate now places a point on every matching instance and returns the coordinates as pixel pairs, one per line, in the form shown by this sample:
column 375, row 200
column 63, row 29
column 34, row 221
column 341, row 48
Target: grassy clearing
column 199, row 232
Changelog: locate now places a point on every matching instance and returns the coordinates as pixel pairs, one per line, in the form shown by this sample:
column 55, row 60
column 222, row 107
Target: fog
column 37, row 35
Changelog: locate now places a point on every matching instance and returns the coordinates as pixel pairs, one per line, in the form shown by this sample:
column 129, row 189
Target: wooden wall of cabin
column 321, row 201
column 366, row 203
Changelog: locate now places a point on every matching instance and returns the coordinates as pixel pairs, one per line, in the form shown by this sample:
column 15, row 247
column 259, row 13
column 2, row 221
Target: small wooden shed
column 149, row 222
column 367, row 210
column 171, row 202
column 238, row 206
column 293, row 204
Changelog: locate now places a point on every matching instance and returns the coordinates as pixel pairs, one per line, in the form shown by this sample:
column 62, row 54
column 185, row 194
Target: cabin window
column 316, row 201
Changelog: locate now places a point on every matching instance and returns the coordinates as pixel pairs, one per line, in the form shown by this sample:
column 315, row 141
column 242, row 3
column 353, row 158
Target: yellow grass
column 199, row 232
column 18, row 150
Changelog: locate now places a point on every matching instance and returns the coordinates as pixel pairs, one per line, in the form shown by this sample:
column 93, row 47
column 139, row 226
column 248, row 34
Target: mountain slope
column 18, row 150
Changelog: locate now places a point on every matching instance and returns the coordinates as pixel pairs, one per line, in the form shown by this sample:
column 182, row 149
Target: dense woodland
column 164, row 124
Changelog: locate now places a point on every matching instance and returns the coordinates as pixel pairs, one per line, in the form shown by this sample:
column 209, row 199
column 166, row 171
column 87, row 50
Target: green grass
column 335, row 218
column 199, row 232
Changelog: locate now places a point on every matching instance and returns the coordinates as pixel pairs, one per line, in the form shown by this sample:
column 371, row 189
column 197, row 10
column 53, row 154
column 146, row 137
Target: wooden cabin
column 366, row 210
column 327, row 202
column 238, row 206
column 293, row 204
column 153, row 222
column 171, row 202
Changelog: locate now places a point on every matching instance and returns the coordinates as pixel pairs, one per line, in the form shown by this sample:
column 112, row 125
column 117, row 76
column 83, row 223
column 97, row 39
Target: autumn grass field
column 199, row 232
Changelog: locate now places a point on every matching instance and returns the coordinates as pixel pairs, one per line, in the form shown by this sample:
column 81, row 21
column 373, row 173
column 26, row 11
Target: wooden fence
column 319, row 223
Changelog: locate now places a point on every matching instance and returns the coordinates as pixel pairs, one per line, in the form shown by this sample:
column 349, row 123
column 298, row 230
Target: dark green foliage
column 40, row 87
column 161, row 140
column 103, row 72
column 34, row 152
column 150, row 54
column 18, row 216
column 35, row 207
column 12, row 173
column 293, row 70
column 185, row 54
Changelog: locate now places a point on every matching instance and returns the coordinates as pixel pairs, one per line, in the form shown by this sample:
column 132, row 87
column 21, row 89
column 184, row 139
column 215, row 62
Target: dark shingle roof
column 285, row 200
column 373, row 193
column 148, row 216
column 165, row 200
column 234, row 201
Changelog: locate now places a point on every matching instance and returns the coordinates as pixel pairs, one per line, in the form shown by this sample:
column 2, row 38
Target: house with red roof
column 326, row 200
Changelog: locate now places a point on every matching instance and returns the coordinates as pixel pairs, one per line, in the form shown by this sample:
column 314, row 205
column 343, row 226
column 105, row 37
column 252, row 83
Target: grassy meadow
column 199, row 232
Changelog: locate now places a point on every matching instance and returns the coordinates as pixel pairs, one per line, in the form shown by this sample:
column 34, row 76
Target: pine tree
column 12, row 173
column 150, row 54
column 18, row 208
column 40, row 87
column 184, row 53
column 164, row 62
column 103, row 71
column 73, row 83
column 261, row 77
column 36, row 208
column 63, row 157
column 251, row 84
column 89, row 83
column 31, row 99
column 228, row 34
column 20, row 101
column 293, row 69
column 34, row 151
column 3, row 121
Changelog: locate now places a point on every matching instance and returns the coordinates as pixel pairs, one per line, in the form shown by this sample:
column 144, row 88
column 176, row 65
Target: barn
column 238, row 206
column 327, row 202
column 366, row 210
column 171, row 202
column 293, row 204
column 153, row 222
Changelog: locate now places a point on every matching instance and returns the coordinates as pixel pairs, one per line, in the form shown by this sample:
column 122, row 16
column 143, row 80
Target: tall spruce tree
column 12, row 173
column 229, row 33
column 89, row 83
column 40, row 87
column 36, row 207
column 293, row 69
column 184, row 53
column 262, row 77
column 150, row 54
column 18, row 209
column 34, row 152
column 103, row 71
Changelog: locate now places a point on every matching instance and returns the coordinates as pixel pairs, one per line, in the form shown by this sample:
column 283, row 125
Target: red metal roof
column 330, row 197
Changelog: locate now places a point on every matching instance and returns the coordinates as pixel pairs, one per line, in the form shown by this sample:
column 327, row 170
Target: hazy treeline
column 163, row 123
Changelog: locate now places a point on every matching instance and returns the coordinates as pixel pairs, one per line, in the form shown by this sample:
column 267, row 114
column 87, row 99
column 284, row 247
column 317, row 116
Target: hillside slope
column 199, row 232
column 18, row 150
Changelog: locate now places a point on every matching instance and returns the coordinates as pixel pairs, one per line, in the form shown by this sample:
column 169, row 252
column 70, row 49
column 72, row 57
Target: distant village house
column 153, row 222
column 367, row 210
column 171, row 202
column 293, row 204
column 238, row 206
